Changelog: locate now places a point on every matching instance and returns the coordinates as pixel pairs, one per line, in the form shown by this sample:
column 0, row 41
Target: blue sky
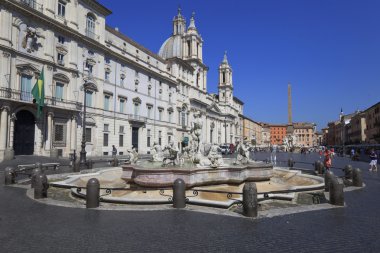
column 329, row 50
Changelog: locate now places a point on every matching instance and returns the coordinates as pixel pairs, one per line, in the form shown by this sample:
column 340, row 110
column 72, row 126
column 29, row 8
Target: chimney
column 116, row 29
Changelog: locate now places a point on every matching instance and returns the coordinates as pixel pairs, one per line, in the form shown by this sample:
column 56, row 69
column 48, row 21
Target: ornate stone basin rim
column 164, row 177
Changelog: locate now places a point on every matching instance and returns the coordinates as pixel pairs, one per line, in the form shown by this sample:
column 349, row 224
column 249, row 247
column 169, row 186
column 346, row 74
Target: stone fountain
column 196, row 168
column 200, row 167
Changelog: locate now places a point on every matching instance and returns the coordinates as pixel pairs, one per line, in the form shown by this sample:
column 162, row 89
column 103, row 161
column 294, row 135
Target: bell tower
column 193, row 42
column 225, row 85
column 179, row 23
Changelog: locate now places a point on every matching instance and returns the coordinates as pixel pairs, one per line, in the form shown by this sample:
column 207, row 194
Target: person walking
column 327, row 162
column 352, row 153
column 273, row 152
column 373, row 163
column 114, row 150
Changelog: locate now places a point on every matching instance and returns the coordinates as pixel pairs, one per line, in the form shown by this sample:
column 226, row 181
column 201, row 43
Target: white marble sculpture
column 158, row 154
column 215, row 157
column 29, row 42
column 196, row 132
column 133, row 155
column 243, row 150
column 172, row 158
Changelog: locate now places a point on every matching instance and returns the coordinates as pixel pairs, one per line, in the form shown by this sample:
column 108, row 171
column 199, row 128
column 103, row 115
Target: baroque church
column 137, row 97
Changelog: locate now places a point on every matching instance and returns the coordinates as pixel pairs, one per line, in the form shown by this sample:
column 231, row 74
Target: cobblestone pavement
column 28, row 226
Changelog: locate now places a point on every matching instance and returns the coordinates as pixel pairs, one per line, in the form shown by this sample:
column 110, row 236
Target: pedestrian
column 327, row 162
column 273, row 152
column 373, row 163
column 114, row 150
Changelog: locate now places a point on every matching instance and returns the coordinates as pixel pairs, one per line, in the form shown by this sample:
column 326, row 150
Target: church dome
column 172, row 47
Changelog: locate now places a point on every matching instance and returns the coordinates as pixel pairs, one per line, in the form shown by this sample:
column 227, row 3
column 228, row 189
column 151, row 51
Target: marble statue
column 173, row 155
column 196, row 131
column 214, row 156
column 243, row 151
column 289, row 142
column 29, row 42
column 158, row 154
column 133, row 155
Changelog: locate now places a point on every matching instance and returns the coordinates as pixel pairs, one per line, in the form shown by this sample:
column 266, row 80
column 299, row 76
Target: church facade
column 139, row 98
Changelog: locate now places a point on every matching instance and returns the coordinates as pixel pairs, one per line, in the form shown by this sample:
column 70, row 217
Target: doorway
column 135, row 138
column 24, row 133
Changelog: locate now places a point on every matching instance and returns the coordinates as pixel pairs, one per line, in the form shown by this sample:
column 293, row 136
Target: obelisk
column 289, row 128
column 289, row 104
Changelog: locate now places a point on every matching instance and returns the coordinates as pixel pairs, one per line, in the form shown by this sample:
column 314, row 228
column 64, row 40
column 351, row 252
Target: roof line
column 134, row 43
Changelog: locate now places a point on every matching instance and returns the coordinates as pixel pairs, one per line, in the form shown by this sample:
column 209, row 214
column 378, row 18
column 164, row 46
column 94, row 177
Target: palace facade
column 138, row 97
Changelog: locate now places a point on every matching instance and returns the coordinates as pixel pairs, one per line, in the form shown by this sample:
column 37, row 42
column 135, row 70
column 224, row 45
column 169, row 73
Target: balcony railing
column 90, row 33
column 32, row 4
column 16, row 94
column 63, row 103
column 133, row 117
column 26, row 96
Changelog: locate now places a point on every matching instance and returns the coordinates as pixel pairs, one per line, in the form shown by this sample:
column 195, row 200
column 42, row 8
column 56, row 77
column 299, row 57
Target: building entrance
column 24, row 133
column 135, row 138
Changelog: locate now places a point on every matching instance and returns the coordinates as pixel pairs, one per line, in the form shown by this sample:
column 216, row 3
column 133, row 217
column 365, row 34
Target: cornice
column 78, row 37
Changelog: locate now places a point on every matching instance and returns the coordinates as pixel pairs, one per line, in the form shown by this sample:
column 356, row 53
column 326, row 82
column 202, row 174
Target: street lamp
column 86, row 87
column 225, row 130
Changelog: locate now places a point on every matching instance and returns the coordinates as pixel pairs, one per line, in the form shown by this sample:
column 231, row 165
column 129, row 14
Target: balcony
column 63, row 103
column 90, row 33
column 16, row 95
column 137, row 120
column 31, row 4
column 27, row 97
column 135, row 117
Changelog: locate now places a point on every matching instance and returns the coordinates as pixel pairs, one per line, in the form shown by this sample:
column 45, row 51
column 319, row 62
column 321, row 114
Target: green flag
column 38, row 93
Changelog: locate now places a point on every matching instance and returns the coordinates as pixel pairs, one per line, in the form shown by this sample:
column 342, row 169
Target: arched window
column 90, row 26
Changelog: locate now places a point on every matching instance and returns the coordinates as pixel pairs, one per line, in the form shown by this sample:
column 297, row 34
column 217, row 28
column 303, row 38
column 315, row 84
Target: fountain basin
column 196, row 176
column 282, row 180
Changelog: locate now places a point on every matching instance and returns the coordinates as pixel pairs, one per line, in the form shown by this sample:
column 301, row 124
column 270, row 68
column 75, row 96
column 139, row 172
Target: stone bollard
column 348, row 172
column 357, row 178
column 92, row 193
column 36, row 171
column 40, row 186
column 290, row 163
column 250, row 200
column 336, row 192
column 328, row 176
column 179, row 193
column 10, row 175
